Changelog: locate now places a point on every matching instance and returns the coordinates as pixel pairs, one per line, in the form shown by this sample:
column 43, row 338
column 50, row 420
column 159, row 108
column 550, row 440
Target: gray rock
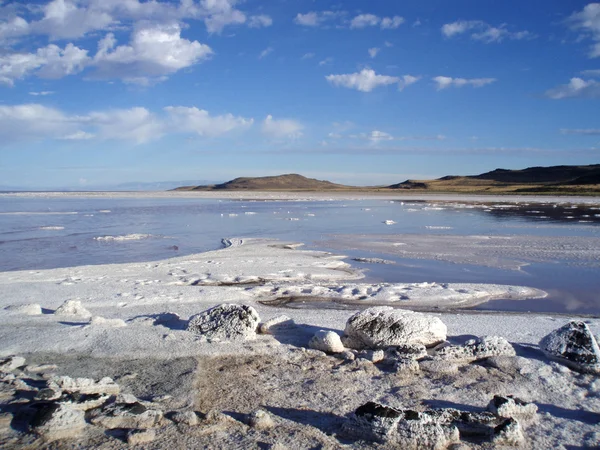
column 384, row 326
column 84, row 385
column 373, row 356
column 126, row 415
column 477, row 349
column 72, row 308
column 226, row 322
column 11, row 363
column 260, row 420
column 346, row 355
column 55, row 421
column 326, row 341
column 508, row 433
column 135, row 437
column 438, row 366
column 406, row 365
column 185, row 417
column 373, row 422
column 416, row 435
column 509, row 406
column 30, row 309
column 279, row 323
column 573, row 345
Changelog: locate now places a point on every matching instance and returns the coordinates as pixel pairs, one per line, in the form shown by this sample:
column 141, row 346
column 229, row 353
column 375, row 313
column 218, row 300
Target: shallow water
column 39, row 233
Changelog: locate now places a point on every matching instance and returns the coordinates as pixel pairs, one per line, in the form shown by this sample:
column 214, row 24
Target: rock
column 72, row 308
column 6, row 419
column 226, row 321
column 508, row 433
column 84, row 385
column 438, row 366
column 373, row 422
column 509, row 406
column 477, row 349
column 573, row 345
column 260, row 420
column 510, row 364
column 47, row 394
column 103, row 322
column 384, row 326
column 185, row 417
column 83, row 402
column 11, row 363
column 54, row 421
column 30, row 309
column 346, row 355
column 276, row 324
column 135, row 437
column 373, row 356
column 326, row 341
column 413, row 351
column 126, row 415
column 416, row 435
column 406, row 365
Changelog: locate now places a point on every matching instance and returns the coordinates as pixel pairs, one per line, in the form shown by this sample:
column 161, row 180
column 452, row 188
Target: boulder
column 225, row 322
column 509, row 406
column 279, row 323
column 55, row 421
column 11, row 363
column 126, row 415
column 326, row 341
column 373, row 422
column 72, row 308
column 573, row 345
column 477, row 349
column 384, row 326
column 84, row 385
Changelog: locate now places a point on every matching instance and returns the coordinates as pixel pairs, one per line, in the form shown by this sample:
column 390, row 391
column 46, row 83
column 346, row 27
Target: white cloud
column 42, row 93
column 591, row 73
column 326, row 61
column 154, row 51
column 134, row 124
column 221, row 13
column 282, row 128
column 576, row 88
column 482, row 31
column 266, row 52
column 373, row 52
column 588, row 22
column 366, row 80
column 260, row 21
column 371, row 20
column 308, row 56
column 391, row 23
column 199, row 121
column 33, row 121
column 377, row 136
column 582, row 131
column 446, row 82
column 315, row 19
column 48, row 62
column 79, row 136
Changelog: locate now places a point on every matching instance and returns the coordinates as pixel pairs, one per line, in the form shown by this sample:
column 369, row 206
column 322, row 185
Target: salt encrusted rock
column 47, row 394
column 126, row 415
column 30, row 309
column 416, row 435
column 185, row 417
column 326, row 341
column 72, row 308
column 373, row 356
column 103, row 322
column 11, row 363
column 83, row 402
column 438, row 366
column 573, row 345
column 135, row 437
column 477, row 349
column 260, row 420
column 346, row 355
column 279, row 323
column 226, row 321
column 384, row 326
column 373, row 422
column 510, row 364
column 54, row 421
column 509, row 406
column 406, row 365
column 401, row 352
column 84, row 385
column 508, row 433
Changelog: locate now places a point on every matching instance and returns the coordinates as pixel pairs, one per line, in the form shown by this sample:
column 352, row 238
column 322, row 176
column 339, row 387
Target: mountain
column 550, row 180
column 288, row 182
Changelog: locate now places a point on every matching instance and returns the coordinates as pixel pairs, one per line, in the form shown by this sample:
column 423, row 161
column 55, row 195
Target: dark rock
column 573, row 345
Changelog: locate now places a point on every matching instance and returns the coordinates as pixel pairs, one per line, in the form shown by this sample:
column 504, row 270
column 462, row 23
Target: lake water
column 41, row 233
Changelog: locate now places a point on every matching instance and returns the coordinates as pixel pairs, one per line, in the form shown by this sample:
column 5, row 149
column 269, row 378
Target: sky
column 101, row 92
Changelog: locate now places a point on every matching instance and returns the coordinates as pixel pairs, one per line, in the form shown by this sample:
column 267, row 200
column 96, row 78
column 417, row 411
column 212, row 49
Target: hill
column 288, row 182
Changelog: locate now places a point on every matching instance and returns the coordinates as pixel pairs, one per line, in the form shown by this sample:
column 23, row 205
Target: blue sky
column 99, row 92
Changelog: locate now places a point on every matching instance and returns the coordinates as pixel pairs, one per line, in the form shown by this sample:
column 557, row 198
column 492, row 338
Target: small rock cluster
column 439, row 428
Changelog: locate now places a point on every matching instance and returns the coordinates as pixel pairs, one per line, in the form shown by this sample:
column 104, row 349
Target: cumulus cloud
column 576, row 88
column 587, row 21
column 199, row 121
column 47, row 62
column 137, row 124
column 281, row 128
column 315, row 19
column 391, row 23
column 373, row 52
column 260, row 21
column 42, row 93
column 154, row 51
column 446, row 82
column 484, row 32
column 366, row 80
column 371, row 20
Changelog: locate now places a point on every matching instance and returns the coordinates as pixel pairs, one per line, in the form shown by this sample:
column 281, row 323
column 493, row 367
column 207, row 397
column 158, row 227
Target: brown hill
column 288, row 182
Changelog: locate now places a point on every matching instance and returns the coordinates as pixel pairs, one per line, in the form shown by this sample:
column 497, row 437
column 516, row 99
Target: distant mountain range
column 552, row 180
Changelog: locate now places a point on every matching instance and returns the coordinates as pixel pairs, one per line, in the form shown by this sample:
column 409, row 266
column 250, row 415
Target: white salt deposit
column 52, row 228
column 126, row 237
